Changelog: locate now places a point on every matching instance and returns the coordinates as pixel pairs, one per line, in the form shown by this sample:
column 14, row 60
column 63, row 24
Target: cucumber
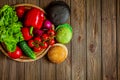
column 27, row 50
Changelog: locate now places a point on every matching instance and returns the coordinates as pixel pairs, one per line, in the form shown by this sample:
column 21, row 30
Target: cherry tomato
column 44, row 45
column 16, row 54
column 45, row 37
column 20, row 11
column 51, row 42
column 37, row 49
column 31, row 43
column 51, row 32
column 37, row 40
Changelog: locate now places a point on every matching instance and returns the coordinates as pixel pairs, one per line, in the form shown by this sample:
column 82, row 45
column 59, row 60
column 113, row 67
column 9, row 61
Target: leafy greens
column 10, row 28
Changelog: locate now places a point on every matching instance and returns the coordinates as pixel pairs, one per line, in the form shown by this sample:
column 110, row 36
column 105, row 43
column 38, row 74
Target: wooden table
column 94, row 52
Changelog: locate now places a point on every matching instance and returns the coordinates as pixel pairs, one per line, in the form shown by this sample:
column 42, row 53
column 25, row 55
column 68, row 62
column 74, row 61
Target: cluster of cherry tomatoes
column 41, row 42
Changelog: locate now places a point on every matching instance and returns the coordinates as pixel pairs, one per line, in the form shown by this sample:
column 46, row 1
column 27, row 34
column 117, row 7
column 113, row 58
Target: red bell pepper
column 26, row 33
column 35, row 18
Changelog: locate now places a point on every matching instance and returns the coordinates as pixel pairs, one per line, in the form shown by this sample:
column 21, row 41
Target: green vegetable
column 10, row 28
column 64, row 25
column 31, row 31
column 27, row 50
column 63, row 33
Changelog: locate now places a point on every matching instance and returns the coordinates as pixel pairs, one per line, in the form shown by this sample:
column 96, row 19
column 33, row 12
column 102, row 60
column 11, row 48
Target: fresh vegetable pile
column 26, row 32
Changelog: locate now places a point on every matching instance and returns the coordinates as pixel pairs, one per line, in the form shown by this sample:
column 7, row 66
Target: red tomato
column 16, row 54
column 44, row 45
column 51, row 42
column 31, row 43
column 51, row 32
column 45, row 37
column 26, row 33
column 37, row 40
column 37, row 49
column 20, row 11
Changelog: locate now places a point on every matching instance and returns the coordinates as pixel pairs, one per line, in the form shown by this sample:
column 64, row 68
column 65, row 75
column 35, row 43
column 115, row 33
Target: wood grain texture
column 118, row 38
column 109, row 40
column 78, row 22
column 94, row 51
column 93, row 39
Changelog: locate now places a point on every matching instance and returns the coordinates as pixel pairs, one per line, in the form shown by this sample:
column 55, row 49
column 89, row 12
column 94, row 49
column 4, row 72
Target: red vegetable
column 44, row 45
column 51, row 32
column 16, row 54
column 20, row 11
column 35, row 43
column 51, row 42
column 35, row 18
column 45, row 37
column 31, row 43
column 37, row 49
column 37, row 40
column 47, row 24
column 37, row 32
column 26, row 33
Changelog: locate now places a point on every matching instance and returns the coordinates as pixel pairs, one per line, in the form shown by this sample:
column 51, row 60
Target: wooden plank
column 45, row 3
column 20, row 71
column 35, row 2
column 47, row 68
column 19, row 1
column 118, row 37
column 78, row 22
column 93, row 39
column 2, row 2
column 12, row 70
column 109, row 39
column 12, row 2
column 63, row 70
column 4, row 67
column 32, row 70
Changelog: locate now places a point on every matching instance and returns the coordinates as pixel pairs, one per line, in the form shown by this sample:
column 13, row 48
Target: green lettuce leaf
column 10, row 28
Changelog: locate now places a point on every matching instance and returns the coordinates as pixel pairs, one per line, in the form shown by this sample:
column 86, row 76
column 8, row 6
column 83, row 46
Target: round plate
column 25, row 58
